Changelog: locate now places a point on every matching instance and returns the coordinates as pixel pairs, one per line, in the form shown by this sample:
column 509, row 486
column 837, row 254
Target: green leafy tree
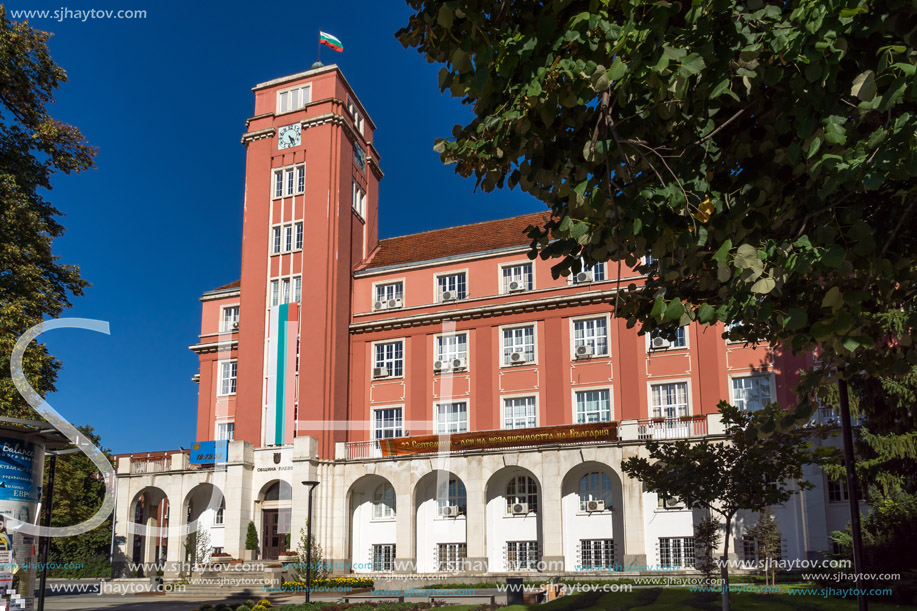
column 706, row 541
column 763, row 153
column 251, row 537
column 78, row 494
column 768, row 542
column 33, row 147
column 317, row 568
column 740, row 472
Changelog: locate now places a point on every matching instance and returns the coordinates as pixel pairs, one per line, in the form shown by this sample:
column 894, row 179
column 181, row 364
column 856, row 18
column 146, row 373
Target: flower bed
column 331, row 582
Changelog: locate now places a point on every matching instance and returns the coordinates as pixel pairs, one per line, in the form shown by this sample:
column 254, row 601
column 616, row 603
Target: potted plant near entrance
column 251, row 542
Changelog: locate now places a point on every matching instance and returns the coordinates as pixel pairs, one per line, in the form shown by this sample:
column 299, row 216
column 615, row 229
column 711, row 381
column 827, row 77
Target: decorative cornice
column 250, row 137
column 214, row 347
column 375, row 167
column 256, row 117
column 486, row 311
column 221, row 294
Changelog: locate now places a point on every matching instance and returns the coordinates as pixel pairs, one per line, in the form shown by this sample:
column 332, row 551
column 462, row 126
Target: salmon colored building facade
column 334, row 342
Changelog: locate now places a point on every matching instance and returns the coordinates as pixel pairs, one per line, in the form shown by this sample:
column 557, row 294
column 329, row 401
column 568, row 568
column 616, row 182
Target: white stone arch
column 441, row 510
column 275, row 498
column 150, row 507
column 504, row 528
column 592, row 480
column 372, row 520
column 205, row 505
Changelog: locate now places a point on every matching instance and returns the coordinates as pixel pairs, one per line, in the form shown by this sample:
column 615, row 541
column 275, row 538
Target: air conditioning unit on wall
column 380, row 372
column 517, row 357
column 519, row 509
column 660, row 343
column 515, row 286
column 394, row 304
column 451, row 511
column 449, row 296
column 459, row 364
column 598, row 505
column 584, row 352
column 583, row 277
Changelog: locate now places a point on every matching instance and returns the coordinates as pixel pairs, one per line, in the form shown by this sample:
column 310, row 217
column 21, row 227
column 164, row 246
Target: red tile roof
column 452, row 241
column 232, row 285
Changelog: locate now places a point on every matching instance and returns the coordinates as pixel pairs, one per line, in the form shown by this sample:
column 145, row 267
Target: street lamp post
column 311, row 486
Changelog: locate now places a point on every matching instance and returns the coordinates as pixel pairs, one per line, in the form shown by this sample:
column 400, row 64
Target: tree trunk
column 724, row 567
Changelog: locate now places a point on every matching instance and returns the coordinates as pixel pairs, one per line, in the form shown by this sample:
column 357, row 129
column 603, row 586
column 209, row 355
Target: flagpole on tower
column 319, row 48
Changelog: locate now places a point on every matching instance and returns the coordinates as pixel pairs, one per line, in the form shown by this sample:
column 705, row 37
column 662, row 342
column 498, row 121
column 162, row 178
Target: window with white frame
column 679, row 341
column 384, row 502
column 357, row 117
column 597, row 554
column 228, row 370
column 751, row 393
column 676, row 552
column 837, row 491
column 519, row 339
column 289, row 181
column 453, row 286
column 522, row 489
column 595, row 486
column 226, row 431
column 517, row 277
column 451, row 417
column 451, row 556
column 522, row 555
column 596, row 272
column 669, row 401
column 391, row 356
column 358, row 199
column 519, row 413
column 286, row 238
column 387, row 423
column 384, row 557
column 286, row 290
column 293, row 99
column 230, row 320
column 591, row 332
column 451, row 493
column 593, row 406
column 389, row 290
column 221, row 511
column 450, row 347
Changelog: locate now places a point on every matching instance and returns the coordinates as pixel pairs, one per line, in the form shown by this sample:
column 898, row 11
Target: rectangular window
column 451, row 556
column 521, row 340
column 593, row 406
column 359, row 157
column 278, row 183
column 289, row 175
column 519, row 413
column 450, row 347
column 751, row 393
column 277, row 247
column 297, row 289
column 275, row 293
column 596, row 272
column 359, row 199
column 384, row 557
column 522, row 555
column 518, row 278
column 230, row 319
column 669, row 401
column 387, row 423
column 285, row 290
column 597, row 554
column 837, row 491
column 293, row 99
column 451, row 286
column 300, row 178
column 226, row 431
column 392, row 290
column 288, row 238
column 391, row 356
column 591, row 332
column 676, row 552
column 679, row 341
column 451, row 418
column 228, row 370
column 298, row 227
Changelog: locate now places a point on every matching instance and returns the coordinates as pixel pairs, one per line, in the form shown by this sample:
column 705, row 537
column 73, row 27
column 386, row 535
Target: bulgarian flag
column 330, row 41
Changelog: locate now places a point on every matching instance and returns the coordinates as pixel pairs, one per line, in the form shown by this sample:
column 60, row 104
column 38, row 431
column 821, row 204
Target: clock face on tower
column 289, row 135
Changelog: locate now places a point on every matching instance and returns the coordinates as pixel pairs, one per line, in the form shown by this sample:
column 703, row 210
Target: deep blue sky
column 159, row 221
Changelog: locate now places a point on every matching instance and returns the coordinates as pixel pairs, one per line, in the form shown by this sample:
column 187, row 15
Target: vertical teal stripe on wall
column 283, row 314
